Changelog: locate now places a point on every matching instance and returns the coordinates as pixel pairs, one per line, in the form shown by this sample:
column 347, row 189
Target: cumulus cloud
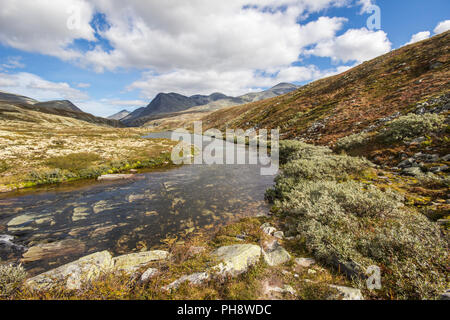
column 419, row 37
column 45, row 26
column 83, row 85
column 442, row 27
column 35, row 87
column 195, row 46
column 354, row 45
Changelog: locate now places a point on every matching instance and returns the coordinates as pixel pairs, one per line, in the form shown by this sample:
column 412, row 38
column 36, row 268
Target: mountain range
column 167, row 103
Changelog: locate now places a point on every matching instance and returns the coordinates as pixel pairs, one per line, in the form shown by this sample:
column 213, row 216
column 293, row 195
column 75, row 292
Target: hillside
column 65, row 105
column 19, row 108
column 169, row 105
column 331, row 108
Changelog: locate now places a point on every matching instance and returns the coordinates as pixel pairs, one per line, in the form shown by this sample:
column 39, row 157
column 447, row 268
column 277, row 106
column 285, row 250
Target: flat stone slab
column 132, row 262
column 115, row 177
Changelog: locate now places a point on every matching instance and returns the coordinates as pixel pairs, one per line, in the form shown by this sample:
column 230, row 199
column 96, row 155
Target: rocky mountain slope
column 119, row 115
column 173, row 103
column 332, row 108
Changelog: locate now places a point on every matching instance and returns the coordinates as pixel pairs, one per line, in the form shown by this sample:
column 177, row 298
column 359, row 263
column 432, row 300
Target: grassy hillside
column 41, row 148
column 331, row 108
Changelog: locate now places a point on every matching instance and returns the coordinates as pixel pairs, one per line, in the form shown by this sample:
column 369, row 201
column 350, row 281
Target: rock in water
column 236, row 259
column 53, row 249
column 73, row 274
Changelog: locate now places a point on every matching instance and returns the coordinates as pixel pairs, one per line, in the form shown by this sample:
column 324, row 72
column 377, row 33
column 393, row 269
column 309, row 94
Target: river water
column 73, row 220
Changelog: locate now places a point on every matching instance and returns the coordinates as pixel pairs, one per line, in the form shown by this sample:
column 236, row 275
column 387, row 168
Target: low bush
column 11, row 279
column 349, row 224
column 294, row 150
column 353, row 141
column 412, row 126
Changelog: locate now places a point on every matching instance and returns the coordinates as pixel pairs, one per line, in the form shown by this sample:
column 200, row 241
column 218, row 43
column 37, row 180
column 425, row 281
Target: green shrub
column 412, row 126
column 328, row 167
column 46, row 176
column 349, row 224
column 353, row 141
column 74, row 161
column 11, row 279
column 295, row 150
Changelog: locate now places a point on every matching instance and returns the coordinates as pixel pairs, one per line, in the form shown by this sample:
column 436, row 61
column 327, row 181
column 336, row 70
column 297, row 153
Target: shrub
column 46, row 176
column 328, row 167
column 412, row 126
column 295, row 150
column 11, row 279
column 353, row 141
column 348, row 224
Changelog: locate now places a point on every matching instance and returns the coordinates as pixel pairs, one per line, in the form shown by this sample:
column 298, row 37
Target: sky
column 109, row 55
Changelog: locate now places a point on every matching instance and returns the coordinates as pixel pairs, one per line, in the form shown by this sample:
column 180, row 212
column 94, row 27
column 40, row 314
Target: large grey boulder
column 236, row 259
column 74, row 274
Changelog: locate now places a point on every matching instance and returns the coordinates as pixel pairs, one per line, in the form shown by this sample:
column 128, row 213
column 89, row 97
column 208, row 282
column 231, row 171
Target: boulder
column 236, row 259
column 276, row 257
column 130, row 263
column 74, row 274
column 279, row 234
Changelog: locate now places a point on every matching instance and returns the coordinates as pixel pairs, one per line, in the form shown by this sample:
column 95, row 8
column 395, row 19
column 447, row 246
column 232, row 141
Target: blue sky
column 109, row 56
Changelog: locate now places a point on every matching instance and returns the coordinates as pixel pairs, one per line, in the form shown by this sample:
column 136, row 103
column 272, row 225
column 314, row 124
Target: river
column 128, row 216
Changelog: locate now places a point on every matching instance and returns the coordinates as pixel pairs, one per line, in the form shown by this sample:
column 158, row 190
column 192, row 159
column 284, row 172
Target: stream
column 63, row 223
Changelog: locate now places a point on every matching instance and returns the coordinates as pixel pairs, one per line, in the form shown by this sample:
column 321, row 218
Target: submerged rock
column 73, row 274
column 53, row 249
column 236, row 259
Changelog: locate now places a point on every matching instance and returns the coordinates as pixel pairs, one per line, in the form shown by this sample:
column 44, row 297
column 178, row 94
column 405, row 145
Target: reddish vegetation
column 331, row 108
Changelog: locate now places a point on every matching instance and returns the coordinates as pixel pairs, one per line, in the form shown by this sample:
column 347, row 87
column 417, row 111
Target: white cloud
column 42, row 25
column 13, row 63
column 354, row 45
column 196, row 46
column 35, row 87
column 419, row 37
column 442, row 27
